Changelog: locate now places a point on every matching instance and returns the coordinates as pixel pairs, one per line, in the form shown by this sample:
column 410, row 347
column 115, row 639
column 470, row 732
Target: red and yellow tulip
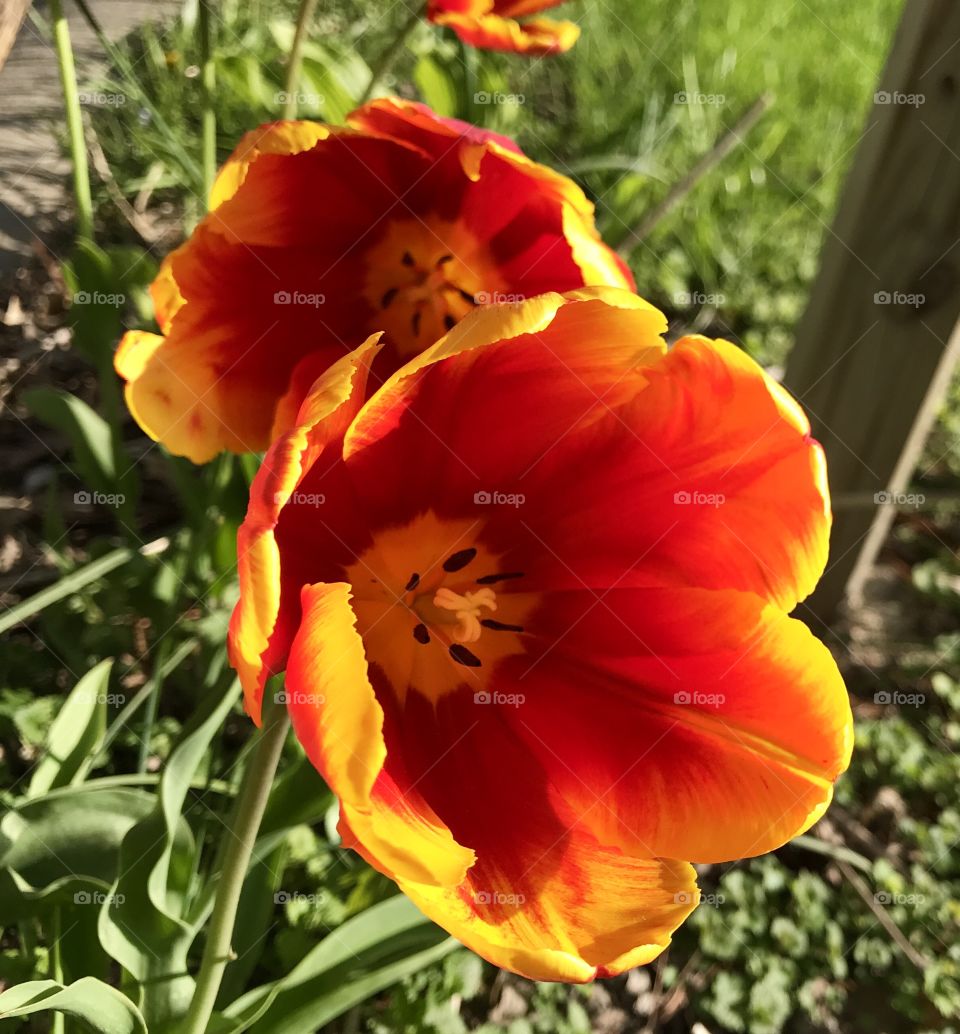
column 493, row 25
column 531, row 598
column 401, row 222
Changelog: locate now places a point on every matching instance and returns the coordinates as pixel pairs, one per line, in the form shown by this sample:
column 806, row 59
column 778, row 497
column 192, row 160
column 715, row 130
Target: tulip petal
column 337, row 719
column 546, row 897
column 538, row 36
column 598, row 913
column 287, row 137
column 267, row 613
column 713, row 728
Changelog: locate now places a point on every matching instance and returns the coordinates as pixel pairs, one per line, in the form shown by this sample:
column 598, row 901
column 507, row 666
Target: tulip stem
column 74, row 119
column 295, row 60
column 208, row 83
column 385, row 62
column 241, row 837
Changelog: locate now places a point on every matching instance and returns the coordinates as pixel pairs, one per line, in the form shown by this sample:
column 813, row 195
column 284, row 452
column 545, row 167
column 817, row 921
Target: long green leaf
column 143, row 923
column 367, row 953
column 75, row 735
column 101, row 1007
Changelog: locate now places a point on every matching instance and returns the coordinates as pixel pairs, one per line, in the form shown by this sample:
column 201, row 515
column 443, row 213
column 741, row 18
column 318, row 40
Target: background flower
column 493, row 25
column 402, row 222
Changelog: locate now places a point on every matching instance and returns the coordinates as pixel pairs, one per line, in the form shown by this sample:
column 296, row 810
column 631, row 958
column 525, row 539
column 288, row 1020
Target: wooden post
column 877, row 344
column 12, row 13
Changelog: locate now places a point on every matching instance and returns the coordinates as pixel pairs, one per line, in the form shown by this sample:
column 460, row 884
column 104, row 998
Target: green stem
column 74, row 119
column 386, row 59
column 241, row 837
column 58, row 1025
column 295, row 60
column 208, row 82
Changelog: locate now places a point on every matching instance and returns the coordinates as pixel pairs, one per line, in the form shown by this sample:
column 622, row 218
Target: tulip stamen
column 421, row 633
column 457, row 561
column 502, row 576
column 467, row 608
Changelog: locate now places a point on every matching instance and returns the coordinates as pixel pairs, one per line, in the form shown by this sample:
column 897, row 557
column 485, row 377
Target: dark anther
column 413, row 583
column 463, row 656
column 459, row 560
column 388, row 297
column 489, row 579
column 407, row 259
column 467, row 296
column 500, row 626
column 421, row 633
column 444, row 259
column 415, row 323
column 449, row 322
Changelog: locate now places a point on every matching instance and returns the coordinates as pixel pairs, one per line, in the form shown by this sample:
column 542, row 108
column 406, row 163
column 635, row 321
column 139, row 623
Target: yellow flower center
column 423, row 277
column 424, row 595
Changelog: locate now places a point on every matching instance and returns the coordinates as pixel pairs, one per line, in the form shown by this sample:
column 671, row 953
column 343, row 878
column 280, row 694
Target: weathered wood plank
column 877, row 343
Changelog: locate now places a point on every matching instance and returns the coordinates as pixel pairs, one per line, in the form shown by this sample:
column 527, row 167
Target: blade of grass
column 74, row 582
column 385, row 61
column 208, row 82
column 74, row 120
column 295, row 60
column 131, row 707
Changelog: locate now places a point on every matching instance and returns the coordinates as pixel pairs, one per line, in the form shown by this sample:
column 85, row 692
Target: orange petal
column 264, row 619
column 682, row 722
column 337, row 719
column 545, row 897
column 583, row 911
column 289, row 137
column 537, row 36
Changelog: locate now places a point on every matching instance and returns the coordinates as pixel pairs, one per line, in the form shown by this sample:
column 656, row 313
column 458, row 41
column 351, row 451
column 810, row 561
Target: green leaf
column 144, row 923
column 366, row 954
column 76, row 734
column 98, row 1005
column 66, row 841
column 436, row 85
column 90, row 436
